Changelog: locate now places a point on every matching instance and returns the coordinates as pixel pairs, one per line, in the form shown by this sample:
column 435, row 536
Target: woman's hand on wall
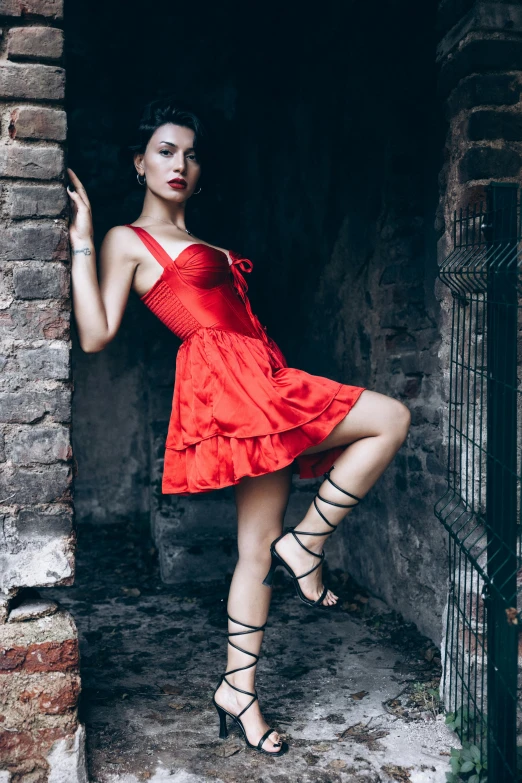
column 98, row 305
column 80, row 227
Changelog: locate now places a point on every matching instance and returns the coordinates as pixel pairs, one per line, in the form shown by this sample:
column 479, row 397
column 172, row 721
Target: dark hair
column 163, row 110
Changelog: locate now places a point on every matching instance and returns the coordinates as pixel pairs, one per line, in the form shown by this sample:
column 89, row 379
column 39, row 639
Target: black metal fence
column 481, row 508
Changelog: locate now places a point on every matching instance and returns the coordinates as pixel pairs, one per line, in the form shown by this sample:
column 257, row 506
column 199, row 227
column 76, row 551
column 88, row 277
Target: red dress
column 238, row 409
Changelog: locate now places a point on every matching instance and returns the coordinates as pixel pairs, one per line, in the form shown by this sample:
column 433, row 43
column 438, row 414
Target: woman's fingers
column 78, row 188
column 81, row 219
column 74, row 179
column 73, row 196
column 77, row 199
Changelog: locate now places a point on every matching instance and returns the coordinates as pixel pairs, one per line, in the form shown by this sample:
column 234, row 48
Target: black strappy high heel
column 222, row 712
column 278, row 560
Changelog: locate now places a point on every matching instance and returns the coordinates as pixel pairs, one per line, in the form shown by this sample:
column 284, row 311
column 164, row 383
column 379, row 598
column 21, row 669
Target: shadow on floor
column 354, row 690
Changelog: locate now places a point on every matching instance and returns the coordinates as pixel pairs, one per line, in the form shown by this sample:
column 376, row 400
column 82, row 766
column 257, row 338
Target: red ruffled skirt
column 235, row 415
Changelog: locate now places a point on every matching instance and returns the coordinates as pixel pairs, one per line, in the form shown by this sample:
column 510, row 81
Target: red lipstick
column 178, row 183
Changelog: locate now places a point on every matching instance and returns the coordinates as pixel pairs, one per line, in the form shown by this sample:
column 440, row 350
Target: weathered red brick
column 53, row 656
column 59, row 703
column 33, row 201
column 49, row 281
column 28, row 8
column 51, row 696
column 46, row 657
column 30, row 162
column 43, row 242
column 57, row 328
column 32, row 81
column 33, row 443
column 45, row 484
column 38, row 122
column 22, row 745
column 28, row 321
column 12, row 660
column 26, row 407
column 51, row 362
column 35, row 42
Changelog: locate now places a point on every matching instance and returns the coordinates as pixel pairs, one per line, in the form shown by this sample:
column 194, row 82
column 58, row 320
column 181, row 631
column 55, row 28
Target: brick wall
column 480, row 83
column 39, row 680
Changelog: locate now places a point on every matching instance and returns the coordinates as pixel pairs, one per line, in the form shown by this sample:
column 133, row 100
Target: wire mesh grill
column 481, row 507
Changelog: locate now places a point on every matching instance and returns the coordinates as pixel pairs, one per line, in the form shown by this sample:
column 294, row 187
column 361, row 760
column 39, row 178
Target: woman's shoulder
column 124, row 233
column 124, row 230
column 120, row 242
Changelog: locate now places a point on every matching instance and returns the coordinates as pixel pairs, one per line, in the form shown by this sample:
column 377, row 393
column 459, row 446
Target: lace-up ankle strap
column 250, row 629
column 327, row 477
column 331, row 503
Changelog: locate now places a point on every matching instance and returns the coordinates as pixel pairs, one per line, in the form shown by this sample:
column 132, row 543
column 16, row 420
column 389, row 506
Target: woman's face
column 169, row 163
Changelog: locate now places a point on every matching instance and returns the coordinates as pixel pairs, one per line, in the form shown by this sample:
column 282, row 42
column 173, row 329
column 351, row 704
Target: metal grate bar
column 482, row 508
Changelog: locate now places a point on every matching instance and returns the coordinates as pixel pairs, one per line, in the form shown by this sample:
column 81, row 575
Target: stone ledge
column 486, row 17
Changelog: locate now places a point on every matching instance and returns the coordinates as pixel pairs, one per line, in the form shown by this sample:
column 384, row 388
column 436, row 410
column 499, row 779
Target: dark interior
column 326, row 132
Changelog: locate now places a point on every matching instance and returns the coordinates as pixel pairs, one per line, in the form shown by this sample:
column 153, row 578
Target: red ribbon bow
column 245, row 265
column 238, row 266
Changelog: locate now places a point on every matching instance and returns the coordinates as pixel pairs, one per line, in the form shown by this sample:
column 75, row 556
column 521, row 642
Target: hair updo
column 168, row 110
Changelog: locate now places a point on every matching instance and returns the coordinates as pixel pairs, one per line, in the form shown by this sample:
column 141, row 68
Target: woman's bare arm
column 98, row 305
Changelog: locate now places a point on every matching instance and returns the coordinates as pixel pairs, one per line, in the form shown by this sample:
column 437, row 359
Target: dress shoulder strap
column 161, row 255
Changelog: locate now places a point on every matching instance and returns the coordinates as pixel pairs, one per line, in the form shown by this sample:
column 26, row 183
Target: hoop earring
column 197, row 191
column 138, row 178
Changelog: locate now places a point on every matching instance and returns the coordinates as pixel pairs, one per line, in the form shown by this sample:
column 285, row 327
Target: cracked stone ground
column 352, row 690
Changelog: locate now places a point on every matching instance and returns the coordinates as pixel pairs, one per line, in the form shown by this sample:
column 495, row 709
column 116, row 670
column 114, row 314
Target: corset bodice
column 200, row 288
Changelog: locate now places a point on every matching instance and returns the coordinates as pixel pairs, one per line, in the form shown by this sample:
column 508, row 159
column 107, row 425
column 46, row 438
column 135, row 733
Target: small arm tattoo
column 85, row 250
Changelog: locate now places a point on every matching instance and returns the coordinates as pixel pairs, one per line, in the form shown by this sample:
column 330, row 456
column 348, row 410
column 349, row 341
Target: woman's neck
column 164, row 212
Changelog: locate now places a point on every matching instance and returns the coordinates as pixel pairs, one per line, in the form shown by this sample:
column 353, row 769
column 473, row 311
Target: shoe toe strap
column 321, row 597
column 264, row 737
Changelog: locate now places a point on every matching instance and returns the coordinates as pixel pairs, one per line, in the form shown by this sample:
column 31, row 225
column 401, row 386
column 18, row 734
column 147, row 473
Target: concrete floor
column 349, row 689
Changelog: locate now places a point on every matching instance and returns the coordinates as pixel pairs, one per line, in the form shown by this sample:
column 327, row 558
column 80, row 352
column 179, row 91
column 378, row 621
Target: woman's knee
column 399, row 420
column 255, row 548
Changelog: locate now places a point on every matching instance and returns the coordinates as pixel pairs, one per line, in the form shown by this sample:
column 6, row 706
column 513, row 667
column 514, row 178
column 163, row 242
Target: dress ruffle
column 235, row 415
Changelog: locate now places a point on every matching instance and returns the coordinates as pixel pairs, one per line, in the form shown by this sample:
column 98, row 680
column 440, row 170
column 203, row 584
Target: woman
column 240, row 415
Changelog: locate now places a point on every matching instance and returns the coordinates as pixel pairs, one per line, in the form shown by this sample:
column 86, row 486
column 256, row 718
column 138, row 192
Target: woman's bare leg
column 375, row 427
column 261, row 504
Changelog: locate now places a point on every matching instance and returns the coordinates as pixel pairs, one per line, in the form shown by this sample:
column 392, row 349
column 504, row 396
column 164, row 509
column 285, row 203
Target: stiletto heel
column 223, row 731
column 222, row 712
column 269, row 578
column 278, row 560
